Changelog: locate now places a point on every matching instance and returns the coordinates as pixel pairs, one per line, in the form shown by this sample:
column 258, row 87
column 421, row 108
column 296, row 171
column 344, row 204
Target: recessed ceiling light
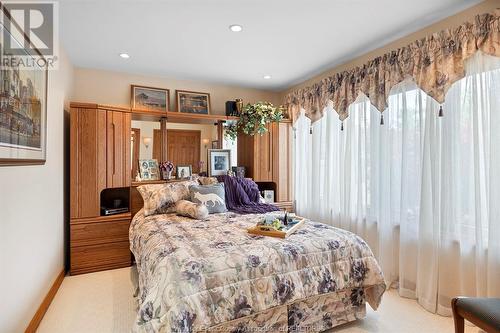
column 124, row 55
column 267, row 77
column 235, row 27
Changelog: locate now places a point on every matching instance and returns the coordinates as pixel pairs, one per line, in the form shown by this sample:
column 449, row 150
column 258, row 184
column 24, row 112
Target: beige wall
column 450, row 22
column 107, row 87
column 32, row 215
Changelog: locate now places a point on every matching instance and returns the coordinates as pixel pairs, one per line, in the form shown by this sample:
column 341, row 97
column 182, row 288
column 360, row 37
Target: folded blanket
column 243, row 196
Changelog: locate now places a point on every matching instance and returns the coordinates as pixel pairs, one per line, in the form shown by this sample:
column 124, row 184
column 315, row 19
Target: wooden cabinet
column 99, row 243
column 99, row 159
column 118, row 149
column 268, row 157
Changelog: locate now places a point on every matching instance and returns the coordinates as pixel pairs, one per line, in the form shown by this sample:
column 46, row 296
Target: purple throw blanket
column 242, row 196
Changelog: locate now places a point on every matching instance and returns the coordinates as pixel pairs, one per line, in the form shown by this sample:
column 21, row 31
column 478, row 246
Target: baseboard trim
column 44, row 306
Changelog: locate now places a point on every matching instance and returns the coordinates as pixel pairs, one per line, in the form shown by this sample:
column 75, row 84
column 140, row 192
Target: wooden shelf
column 179, row 117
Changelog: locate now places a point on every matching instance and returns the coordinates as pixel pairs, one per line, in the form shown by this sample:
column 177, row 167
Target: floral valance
column 434, row 63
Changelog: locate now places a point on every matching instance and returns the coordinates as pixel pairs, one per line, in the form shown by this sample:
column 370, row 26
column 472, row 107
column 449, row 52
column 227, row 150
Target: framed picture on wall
column 148, row 98
column 215, row 144
column 23, row 98
column 183, row 171
column 219, row 162
column 192, row 102
column 149, row 169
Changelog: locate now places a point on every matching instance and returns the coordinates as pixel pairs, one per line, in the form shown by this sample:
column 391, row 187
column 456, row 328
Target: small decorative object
column 215, row 144
column 149, row 169
column 192, row 102
column 230, row 173
column 254, row 119
column 23, row 98
column 201, row 164
column 239, row 106
column 219, row 162
column 239, row 171
column 166, row 169
column 231, row 108
column 151, row 99
column 183, row 171
column 269, row 196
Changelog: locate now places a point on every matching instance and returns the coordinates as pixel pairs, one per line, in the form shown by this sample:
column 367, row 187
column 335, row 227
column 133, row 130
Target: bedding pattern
column 194, row 275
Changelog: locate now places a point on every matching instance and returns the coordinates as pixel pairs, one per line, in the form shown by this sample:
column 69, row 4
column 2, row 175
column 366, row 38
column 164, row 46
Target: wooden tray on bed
column 264, row 230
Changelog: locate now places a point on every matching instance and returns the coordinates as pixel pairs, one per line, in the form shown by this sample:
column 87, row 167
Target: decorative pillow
column 212, row 196
column 191, row 209
column 161, row 198
column 208, row 180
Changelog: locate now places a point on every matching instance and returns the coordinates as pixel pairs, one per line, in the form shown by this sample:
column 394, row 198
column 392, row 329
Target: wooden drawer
column 99, row 232
column 100, row 257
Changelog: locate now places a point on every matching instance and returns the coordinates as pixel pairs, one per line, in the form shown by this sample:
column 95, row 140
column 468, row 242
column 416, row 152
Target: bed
column 212, row 276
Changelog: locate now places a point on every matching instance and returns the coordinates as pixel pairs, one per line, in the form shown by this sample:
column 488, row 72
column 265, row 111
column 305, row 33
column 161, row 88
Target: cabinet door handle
column 114, row 148
column 270, row 150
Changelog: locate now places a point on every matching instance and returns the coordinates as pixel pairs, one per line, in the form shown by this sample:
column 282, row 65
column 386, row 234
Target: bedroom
column 149, row 150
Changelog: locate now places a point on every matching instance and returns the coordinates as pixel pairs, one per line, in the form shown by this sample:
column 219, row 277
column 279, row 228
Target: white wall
column 32, row 218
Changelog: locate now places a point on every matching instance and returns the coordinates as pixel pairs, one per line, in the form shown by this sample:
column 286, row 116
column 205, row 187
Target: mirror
column 145, row 143
column 187, row 144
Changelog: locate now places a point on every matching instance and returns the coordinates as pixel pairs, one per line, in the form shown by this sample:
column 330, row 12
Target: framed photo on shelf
column 23, row 98
column 183, row 171
column 149, row 169
column 219, row 162
column 192, row 102
column 149, row 98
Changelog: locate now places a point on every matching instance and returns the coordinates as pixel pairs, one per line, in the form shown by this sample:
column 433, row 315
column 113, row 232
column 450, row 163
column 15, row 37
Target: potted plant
column 254, row 119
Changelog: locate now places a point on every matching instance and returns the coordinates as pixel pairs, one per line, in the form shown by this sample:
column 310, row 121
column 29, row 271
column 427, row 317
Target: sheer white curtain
column 404, row 188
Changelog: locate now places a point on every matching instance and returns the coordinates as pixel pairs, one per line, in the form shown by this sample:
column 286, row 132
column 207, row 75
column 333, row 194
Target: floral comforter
column 196, row 274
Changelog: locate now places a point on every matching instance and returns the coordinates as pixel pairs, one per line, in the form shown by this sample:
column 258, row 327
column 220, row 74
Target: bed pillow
column 161, row 198
column 191, row 209
column 208, row 180
column 212, row 196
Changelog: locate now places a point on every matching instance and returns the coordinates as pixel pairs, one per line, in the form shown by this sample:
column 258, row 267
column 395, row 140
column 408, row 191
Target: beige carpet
column 103, row 302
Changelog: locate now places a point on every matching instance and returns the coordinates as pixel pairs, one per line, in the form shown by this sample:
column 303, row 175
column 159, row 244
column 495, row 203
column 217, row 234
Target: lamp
column 147, row 141
column 205, row 142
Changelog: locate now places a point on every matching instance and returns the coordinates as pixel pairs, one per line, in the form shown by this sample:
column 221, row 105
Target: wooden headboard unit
column 136, row 202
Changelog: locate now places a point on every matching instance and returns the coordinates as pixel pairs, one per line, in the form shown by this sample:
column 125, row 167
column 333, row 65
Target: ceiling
column 291, row 40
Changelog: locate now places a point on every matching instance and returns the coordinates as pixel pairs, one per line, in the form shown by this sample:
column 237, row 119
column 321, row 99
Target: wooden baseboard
column 37, row 318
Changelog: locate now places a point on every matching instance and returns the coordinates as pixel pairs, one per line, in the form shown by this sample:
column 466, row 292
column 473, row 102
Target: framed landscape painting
column 23, row 103
column 192, row 102
column 148, row 98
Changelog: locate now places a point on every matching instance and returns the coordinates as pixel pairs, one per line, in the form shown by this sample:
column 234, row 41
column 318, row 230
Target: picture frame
column 219, row 162
column 215, row 144
column 149, row 170
column 183, row 171
column 192, row 102
column 23, row 125
column 149, row 98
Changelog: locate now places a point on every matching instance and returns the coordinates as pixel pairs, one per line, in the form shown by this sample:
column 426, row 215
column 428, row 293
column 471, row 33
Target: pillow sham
column 161, row 198
column 208, row 180
column 190, row 209
column 213, row 196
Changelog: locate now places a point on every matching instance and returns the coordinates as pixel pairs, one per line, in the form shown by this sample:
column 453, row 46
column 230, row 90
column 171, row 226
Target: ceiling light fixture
column 124, row 55
column 267, row 77
column 235, row 27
